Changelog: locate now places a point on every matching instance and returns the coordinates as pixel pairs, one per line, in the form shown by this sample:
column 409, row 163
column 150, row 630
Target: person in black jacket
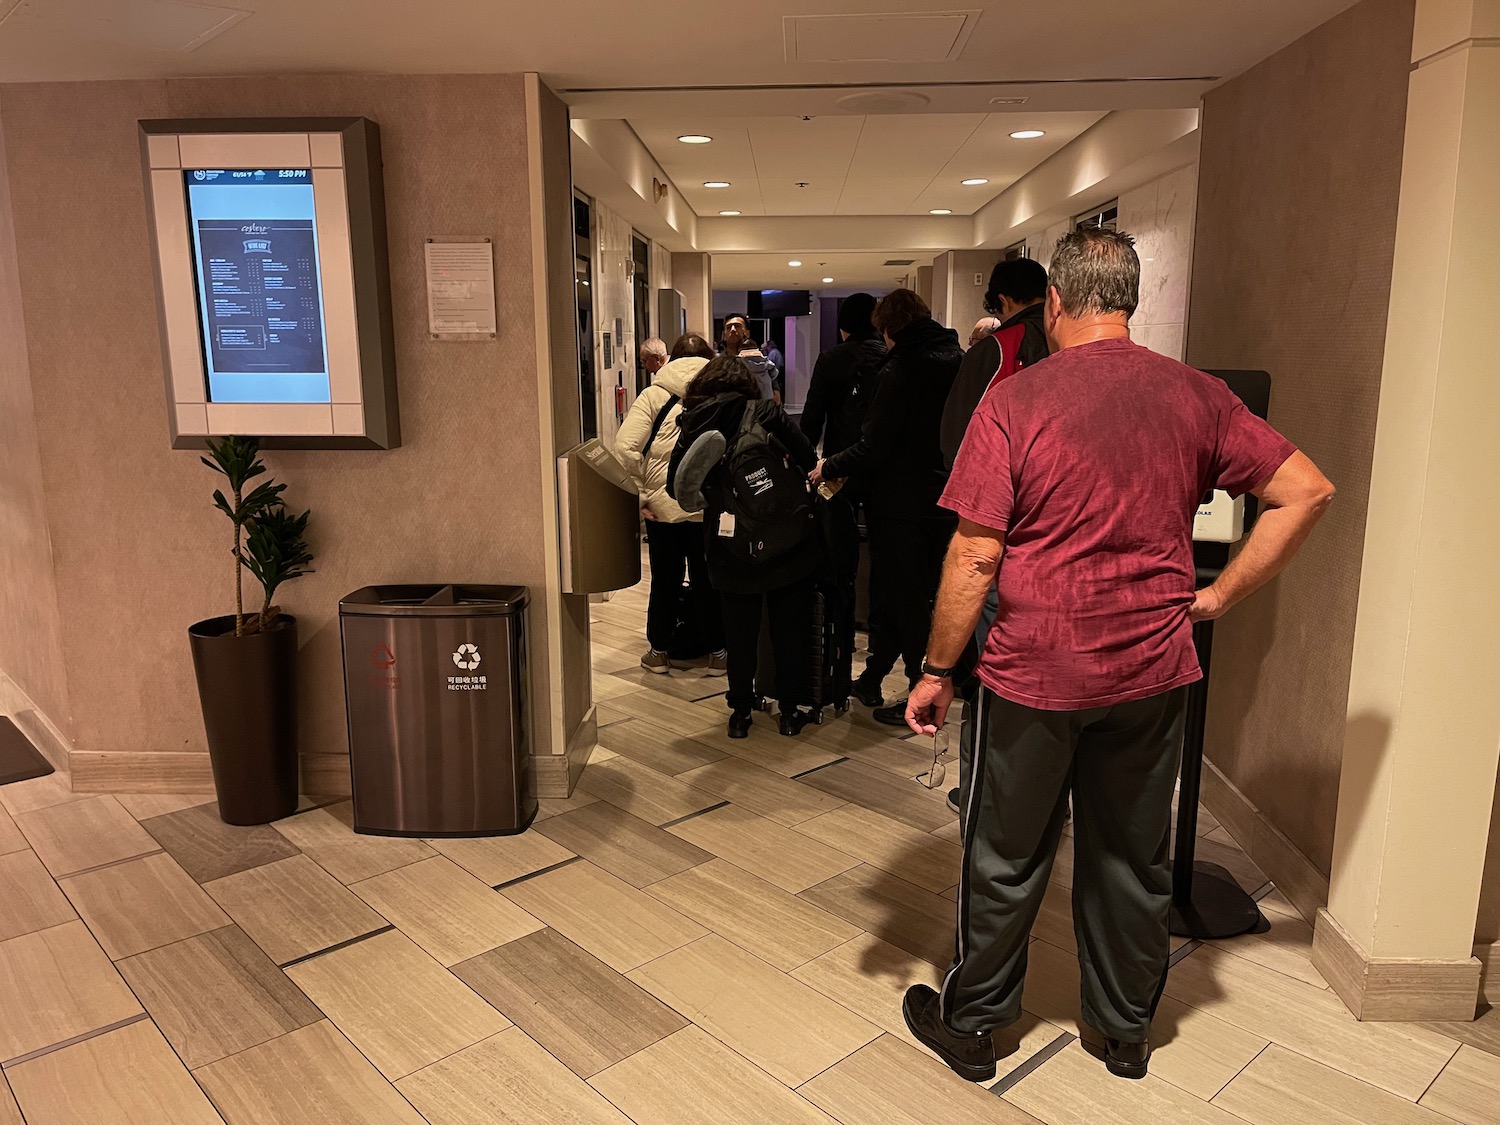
column 781, row 586
column 1018, row 295
column 843, row 384
column 843, row 379
column 900, row 464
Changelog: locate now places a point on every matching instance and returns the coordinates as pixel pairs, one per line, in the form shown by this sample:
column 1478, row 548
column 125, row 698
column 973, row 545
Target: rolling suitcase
column 830, row 641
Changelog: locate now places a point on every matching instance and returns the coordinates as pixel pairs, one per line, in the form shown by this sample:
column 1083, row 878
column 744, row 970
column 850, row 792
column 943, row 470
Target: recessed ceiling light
column 729, row 212
column 940, row 211
column 695, row 139
column 828, row 281
column 975, row 181
column 794, row 264
column 1027, row 134
column 715, row 183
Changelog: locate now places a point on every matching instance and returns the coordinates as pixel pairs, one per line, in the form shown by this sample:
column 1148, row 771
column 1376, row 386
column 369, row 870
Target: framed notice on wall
column 461, row 288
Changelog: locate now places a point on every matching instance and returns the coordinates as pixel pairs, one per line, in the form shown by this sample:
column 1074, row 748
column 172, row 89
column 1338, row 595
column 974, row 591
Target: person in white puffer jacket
column 674, row 537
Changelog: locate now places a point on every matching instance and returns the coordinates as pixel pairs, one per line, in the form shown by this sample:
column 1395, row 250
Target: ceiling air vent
column 899, row 261
column 158, row 25
column 879, row 37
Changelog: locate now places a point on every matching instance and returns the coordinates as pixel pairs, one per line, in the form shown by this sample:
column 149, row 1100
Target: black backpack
column 766, row 492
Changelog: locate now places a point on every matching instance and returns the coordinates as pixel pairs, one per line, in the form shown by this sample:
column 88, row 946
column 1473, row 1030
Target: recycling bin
column 435, row 691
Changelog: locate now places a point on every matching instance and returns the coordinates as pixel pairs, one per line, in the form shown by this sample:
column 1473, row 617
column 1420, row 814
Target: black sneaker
column 892, row 716
column 868, row 692
column 1127, row 1060
column 971, row 1057
column 793, row 720
column 953, row 800
column 739, row 724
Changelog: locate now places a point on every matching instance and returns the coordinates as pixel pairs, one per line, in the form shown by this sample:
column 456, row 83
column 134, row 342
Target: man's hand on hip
column 1208, row 605
column 927, row 705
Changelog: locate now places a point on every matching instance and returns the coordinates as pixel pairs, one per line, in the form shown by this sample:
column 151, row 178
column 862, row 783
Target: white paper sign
column 461, row 287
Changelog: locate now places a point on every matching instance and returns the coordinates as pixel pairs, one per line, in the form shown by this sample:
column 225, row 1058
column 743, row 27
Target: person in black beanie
column 899, row 461
column 842, row 387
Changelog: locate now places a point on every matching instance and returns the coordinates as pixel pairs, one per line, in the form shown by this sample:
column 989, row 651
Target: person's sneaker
column 656, row 661
column 868, row 692
column 1126, row 1060
column 739, row 724
column 892, row 716
column 971, row 1057
column 953, row 800
column 793, row 720
column 718, row 663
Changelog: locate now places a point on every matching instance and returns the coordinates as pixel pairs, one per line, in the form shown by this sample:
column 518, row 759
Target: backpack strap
column 656, row 425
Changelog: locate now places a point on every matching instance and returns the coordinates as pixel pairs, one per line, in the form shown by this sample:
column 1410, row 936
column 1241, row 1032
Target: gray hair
column 1096, row 271
column 654, row 346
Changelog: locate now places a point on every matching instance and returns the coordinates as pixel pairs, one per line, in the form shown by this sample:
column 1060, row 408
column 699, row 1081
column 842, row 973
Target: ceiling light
column 695, row 139
column 794, row 264
column 1027, row 134
column 940, row 211
column 729, row 212
column 828, row 281
column 975, row 181
column 715, row 183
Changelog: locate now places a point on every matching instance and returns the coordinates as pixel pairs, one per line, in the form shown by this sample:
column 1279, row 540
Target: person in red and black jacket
column 1017, row 294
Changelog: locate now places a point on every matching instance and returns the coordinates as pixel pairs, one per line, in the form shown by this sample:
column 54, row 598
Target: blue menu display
column 260, row 305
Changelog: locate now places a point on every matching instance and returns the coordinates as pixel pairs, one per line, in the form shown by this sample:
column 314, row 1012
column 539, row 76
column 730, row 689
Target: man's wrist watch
column 930, row 669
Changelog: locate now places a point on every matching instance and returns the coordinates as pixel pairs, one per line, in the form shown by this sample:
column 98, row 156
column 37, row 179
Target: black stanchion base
column 1219, row 908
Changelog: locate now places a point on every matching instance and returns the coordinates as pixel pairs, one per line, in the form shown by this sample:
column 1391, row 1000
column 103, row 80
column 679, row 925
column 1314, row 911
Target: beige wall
column 692, row 276
column 139, row 549
column 30, row 631
column 1300, row 170
column 1160, row 216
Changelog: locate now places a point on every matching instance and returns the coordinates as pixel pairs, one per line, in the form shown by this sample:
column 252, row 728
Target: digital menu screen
column 260, row 304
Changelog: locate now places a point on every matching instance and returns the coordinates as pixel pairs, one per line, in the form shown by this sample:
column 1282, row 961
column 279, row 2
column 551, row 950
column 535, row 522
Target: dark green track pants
column 1120, row 765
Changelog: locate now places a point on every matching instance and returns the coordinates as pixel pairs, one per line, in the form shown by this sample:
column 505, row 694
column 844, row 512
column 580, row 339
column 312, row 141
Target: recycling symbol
column 467, row 657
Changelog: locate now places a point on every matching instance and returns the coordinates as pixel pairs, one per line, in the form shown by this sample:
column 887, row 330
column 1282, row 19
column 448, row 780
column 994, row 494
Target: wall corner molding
column 1295, row 876
column 35, row 724
column 557, row 774
column 1393, row 989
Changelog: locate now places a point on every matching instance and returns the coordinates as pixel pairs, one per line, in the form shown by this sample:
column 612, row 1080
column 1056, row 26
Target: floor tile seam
column 82, row 1037
column 559, row 865
column 1441, row 1071
column 363, row 879
column 106, row 866
column 336, row 947
column 692, row 815
column 1050, row 1050
column 826, row 765
column 1225, row 1014
column 1269, row 1044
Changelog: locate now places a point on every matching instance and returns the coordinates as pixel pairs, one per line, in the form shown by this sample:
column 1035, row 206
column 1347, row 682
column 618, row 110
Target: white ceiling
column 849, row 271
column 896, row 164
column 604, row 44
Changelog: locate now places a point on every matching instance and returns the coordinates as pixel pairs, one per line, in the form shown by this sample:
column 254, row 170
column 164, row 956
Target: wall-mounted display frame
column 273, row 281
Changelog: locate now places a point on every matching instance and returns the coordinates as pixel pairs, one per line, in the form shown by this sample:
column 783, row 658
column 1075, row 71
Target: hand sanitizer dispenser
column 1220, row 518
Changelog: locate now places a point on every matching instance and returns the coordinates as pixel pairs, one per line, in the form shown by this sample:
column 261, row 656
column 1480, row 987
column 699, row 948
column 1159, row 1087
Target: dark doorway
column 640, row 256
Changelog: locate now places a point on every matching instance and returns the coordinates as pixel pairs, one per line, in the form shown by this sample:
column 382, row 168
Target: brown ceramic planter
column 247, row 687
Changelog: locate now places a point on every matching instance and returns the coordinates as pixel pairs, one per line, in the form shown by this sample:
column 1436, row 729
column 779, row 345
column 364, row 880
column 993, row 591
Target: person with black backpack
column 674, row 538
column 743, row 463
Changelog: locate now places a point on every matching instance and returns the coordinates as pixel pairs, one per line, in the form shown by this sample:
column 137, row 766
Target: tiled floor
column 707, row 931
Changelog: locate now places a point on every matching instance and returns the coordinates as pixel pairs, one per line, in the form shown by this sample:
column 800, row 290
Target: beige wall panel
column 1292, row 271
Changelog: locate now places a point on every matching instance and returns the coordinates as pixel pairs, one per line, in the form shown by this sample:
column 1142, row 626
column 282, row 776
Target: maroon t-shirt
column 1093, row 463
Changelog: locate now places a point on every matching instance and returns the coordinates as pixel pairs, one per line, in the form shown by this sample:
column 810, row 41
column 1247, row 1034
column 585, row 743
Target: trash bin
column 435, row 690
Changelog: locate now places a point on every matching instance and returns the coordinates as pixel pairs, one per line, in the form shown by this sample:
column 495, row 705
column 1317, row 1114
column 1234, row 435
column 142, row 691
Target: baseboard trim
column 1393, row 989
column 1488, row 956
column 1295, row 876
column 145, row 771
column 33, row 722
column 326, row 775
column 557, row 774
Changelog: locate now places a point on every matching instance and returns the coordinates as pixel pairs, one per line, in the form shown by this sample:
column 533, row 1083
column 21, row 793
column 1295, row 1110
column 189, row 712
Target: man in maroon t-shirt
column 1084, row 472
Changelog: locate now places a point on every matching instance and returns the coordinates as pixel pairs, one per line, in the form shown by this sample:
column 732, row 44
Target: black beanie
column 854, row 315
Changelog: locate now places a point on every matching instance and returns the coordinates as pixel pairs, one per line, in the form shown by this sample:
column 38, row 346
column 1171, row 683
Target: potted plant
column 246, row 663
